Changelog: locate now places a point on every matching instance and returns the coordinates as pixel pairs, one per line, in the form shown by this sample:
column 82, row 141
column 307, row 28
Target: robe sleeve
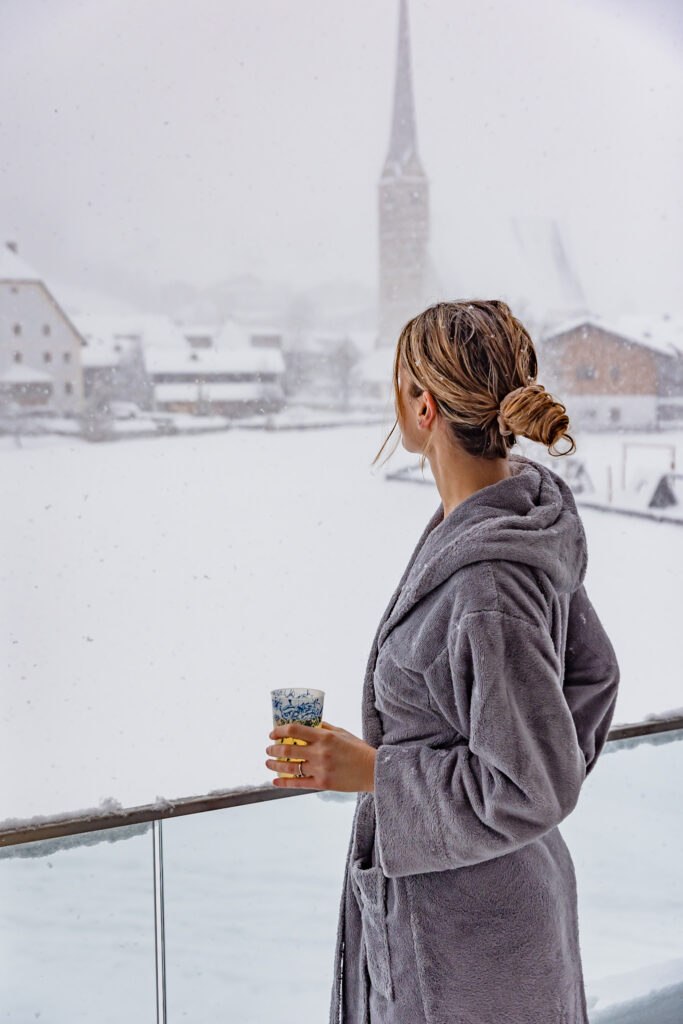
column 591, row 676
column 518, row 772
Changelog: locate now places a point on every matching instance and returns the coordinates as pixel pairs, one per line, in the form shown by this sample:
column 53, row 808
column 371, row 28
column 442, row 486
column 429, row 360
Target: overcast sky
column 192, row 141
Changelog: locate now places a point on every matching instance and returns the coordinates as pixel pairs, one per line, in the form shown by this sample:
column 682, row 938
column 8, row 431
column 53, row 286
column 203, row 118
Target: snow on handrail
column 86, row 827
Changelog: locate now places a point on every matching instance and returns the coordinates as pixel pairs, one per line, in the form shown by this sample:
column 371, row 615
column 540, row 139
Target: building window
column 17, row 328
column 614, row 415
column 17, row 357
column 585, row 372
column 68, row 388
column 67, row 357
column 614, row 372
column 47, row 357
column 46, row 329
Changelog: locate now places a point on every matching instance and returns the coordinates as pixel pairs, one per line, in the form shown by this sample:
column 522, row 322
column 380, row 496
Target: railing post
column 159, row 935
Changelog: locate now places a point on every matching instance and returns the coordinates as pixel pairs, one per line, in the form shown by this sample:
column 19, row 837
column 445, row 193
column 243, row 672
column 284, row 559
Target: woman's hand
column 334, row 758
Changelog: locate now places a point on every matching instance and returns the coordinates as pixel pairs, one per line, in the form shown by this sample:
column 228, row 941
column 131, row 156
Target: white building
column 199, row 335
column 40, row 347
column 229, row 382
column 113, row 354
column 236, row 335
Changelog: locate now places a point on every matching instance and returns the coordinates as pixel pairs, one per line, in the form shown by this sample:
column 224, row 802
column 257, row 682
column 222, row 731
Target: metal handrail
column 220, row 799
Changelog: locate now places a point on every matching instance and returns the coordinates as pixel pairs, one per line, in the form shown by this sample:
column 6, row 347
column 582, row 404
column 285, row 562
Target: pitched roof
column 663, row 333
column 112, row 337
column 207, row 361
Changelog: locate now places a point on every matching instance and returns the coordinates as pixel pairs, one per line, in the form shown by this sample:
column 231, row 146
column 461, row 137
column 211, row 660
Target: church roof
column 402, row 159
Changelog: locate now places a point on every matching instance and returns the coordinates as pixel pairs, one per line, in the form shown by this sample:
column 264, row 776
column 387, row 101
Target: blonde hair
column 479, row 364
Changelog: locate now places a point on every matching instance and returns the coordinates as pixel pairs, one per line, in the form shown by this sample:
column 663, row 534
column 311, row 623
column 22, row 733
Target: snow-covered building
column 267, row 337
column 113, row 355
column 231, row 383
column 234, row 334
column 40, row 346
column 619, row 371
column 199, row 335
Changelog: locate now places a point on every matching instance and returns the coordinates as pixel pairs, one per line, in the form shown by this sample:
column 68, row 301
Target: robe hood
column 529, row 517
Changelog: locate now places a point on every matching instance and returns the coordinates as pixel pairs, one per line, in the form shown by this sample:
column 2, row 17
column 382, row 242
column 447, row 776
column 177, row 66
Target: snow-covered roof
column 662, row 333
column 18, row 373
column 14, row 268
column 206, row 361
column 232, row 335
column 147, row 329
column 111, row 337
column 197, row 328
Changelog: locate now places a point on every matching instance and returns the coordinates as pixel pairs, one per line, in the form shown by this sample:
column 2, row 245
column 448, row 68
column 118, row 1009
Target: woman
column 488, row 695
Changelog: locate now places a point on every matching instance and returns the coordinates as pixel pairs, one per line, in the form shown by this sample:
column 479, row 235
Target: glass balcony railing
column 237, row 908
column 77, row 928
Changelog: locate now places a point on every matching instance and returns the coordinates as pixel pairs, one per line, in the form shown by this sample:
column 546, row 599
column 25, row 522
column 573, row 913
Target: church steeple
column 404, row 265
column 402, row 157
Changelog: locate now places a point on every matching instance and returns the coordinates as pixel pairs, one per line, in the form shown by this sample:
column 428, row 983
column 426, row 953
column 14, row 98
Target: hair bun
column 504, row 405
column 532, row 411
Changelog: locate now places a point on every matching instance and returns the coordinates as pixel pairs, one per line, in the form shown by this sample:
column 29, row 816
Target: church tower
column 404, row 266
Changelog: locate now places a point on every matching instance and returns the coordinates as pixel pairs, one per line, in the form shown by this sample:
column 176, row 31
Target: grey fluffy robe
column 489, row 692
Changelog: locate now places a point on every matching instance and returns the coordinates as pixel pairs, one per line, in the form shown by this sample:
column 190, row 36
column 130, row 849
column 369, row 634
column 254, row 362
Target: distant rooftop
column 663, row 333
column 209, row 361
column 111, row 337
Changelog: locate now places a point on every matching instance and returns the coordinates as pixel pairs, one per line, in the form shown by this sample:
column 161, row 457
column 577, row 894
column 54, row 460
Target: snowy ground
column 155, row 591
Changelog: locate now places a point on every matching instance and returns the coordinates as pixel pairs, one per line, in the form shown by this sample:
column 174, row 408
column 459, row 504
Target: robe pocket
column 370, row 886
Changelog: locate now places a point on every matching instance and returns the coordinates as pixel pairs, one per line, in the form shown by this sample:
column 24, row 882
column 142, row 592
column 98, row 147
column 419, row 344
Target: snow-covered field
column 155, row 591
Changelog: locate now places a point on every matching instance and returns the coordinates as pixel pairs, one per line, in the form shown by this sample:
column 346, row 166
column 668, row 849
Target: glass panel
column 77, row 929
column 252, row 900
column 626, row 837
